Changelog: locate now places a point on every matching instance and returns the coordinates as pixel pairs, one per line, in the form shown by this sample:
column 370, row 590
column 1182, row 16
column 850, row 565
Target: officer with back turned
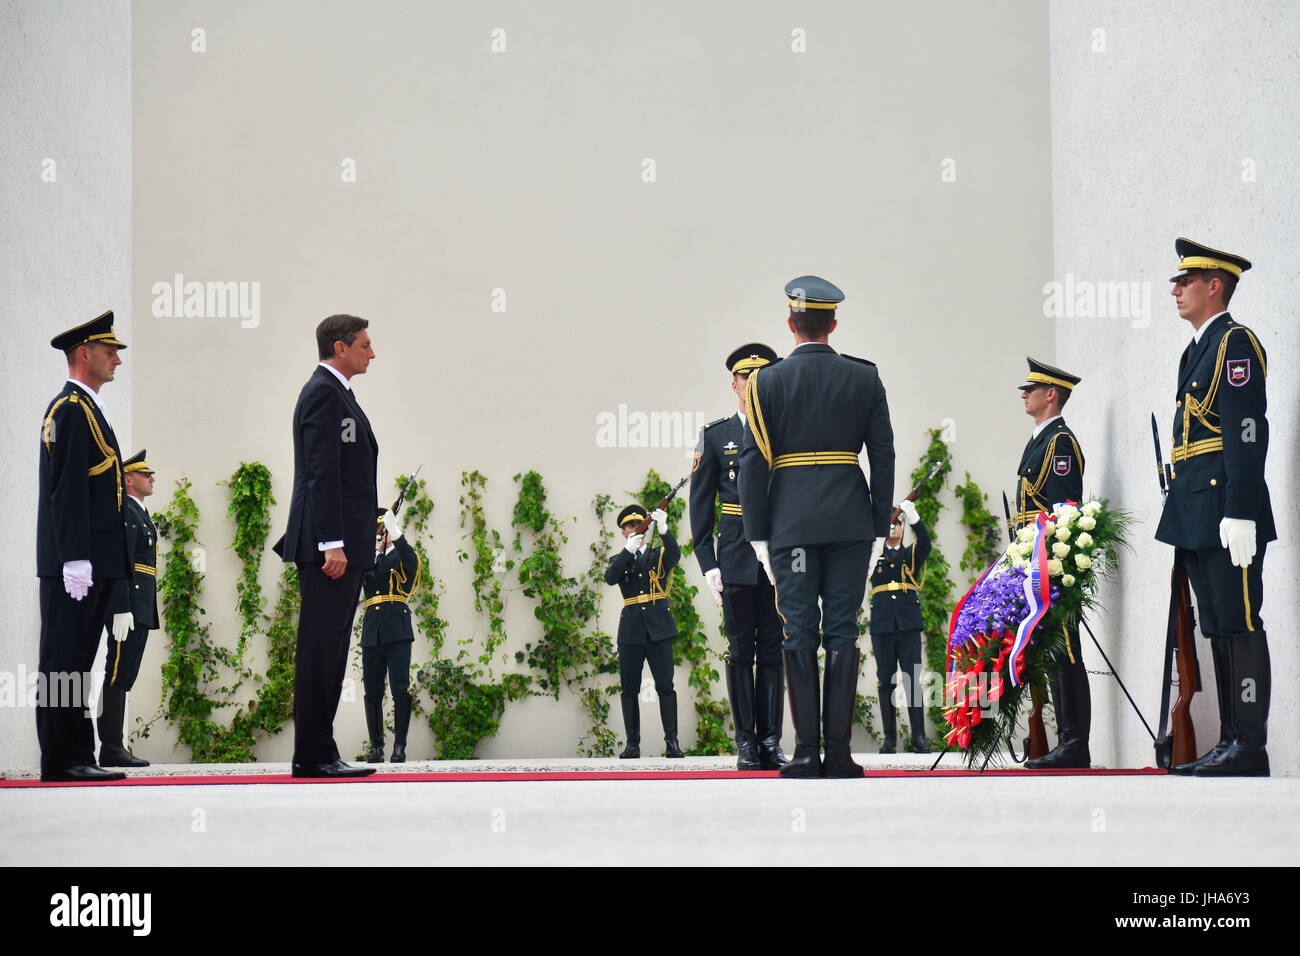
column 813, row 520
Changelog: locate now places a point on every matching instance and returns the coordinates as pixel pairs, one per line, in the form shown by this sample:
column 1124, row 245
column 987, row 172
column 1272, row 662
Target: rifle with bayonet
column 397, row 507
column 911, row 495
column 1177, row 745
column 1035, row 745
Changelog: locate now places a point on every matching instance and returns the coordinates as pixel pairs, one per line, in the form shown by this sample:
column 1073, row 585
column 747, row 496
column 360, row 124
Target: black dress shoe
column 335, row 768
column 111, row 756
column 86, row 774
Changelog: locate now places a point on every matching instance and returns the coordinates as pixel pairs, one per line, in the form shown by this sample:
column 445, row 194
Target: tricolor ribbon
column 1038, row 596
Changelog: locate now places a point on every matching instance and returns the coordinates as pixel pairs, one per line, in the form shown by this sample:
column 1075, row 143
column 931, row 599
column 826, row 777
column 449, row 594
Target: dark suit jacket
column 1221, row 403
column 79, row 511
column 395, row 576
column 893, row 611
column 139, row 593
column 715, row 474
column 334, row 486
column 649, row 573
column 816, row 400
column 1050, row 472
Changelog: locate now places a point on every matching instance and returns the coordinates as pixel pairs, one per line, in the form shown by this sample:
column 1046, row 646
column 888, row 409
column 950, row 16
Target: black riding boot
column 888, row 719
column 374, row 707
column 805, row 712
column 769, row 711
column 668, row 716
column 916, row 717
column 1223, row 691
column 112, row 752
column 740, row 688
column 401, row 722
column 1249, row 667
column 837, row 710
column 1073, row 705
column 631, row 727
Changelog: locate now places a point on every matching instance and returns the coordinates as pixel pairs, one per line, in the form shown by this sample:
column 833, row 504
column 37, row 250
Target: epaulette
column 718, row 422
column 856, row 359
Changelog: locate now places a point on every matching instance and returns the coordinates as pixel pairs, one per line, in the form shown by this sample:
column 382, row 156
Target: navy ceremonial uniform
column 78, row 518
column 645, row 630
column 137, row 594
column 749, row 617
column 1220, row 443
column 386, row 639
column 1051, row 473
column 896, row 626
column 803, row 491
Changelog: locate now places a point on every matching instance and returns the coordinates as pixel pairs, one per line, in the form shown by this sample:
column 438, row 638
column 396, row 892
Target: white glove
column 877, row 549
column 764, row 558
column 78, row 578
column 634, row 542
column 909, row 512
column 122, row 622
column 1238, row 536
column 713, row 578
column 392, row 526
column 661, row 520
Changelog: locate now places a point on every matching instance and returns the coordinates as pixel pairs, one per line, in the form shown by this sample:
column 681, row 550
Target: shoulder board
column 718, row 422
column 856, row 359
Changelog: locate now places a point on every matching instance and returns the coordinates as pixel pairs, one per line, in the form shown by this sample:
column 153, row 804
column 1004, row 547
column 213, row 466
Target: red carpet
column 507, row 776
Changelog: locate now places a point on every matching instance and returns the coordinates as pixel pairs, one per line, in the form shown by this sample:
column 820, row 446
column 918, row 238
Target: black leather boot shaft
column 769, row 714
column 632, row 728
column 837, row 711
column 888, row 719
column 374, row 708
column 401, row 723
column 668, row 716
column 801, row 680
column 740, row 690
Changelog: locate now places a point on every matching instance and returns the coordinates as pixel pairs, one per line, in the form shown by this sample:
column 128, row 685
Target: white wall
column 65, row 89
column 1176, row 120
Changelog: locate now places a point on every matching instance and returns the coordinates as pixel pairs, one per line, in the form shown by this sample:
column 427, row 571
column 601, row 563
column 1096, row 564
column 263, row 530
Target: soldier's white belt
column 729, row 509
column 1192, row 449
column 145, row 569
column 893, row 586
column 385, row 599
column 644, row 599
column 807, row 458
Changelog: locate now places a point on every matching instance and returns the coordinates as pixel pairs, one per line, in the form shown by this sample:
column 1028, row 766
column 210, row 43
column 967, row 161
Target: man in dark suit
column 1217, row 514
column 896, row 626
column 135, row 614
column 739, row 585
column 646, row 628
column 331, row 536
column 1051, row 472
column 81, row 550
column 813, row 521
column 387, row 636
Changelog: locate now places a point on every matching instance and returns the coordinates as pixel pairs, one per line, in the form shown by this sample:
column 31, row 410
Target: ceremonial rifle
column 1177, row 744
column 397, row 506
column 1035, row 745
column 662, row 506
column 911, row 495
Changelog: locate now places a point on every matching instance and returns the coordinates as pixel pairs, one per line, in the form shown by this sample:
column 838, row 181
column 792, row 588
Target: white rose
column 1087, row 523
column 1026, row 533
column 1092, row 508
column 1026, row 548
column 1049, row 529
column 1067, row 580
column 1062, row 534
column 1060, row 549
column 1083, row 541
column 1054, row 568
column 1083, row 561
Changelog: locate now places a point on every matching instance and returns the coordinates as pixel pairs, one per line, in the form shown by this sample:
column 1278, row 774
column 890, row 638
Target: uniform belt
column 804, row 458
column 384, row 599
column 1192, row 449
column 729, row 509
column 1028, row 517
column 643, row 599
column 145, row 569
column 893, row 586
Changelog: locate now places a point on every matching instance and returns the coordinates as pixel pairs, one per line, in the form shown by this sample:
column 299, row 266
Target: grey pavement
column 1075, row 820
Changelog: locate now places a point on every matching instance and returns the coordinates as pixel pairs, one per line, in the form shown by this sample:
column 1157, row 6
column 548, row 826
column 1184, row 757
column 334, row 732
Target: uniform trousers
column 122, row 664
column 395, row 658
column 751, row 623
column 837, row 574
column 1228, row 598
column 70, row 632
column 892, row 651
column 632, row 657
